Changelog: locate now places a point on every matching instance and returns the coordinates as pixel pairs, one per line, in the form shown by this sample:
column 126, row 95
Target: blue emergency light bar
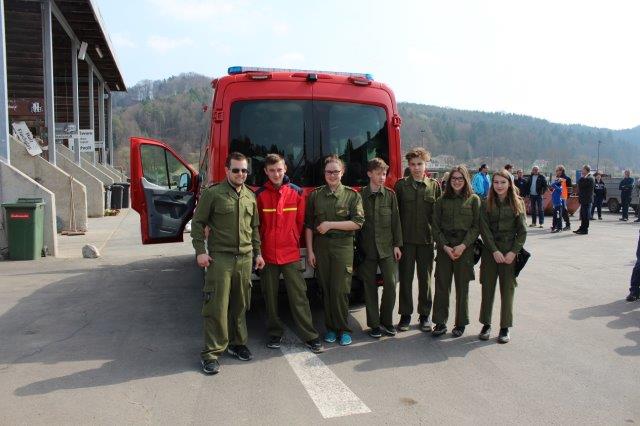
column 241, row 70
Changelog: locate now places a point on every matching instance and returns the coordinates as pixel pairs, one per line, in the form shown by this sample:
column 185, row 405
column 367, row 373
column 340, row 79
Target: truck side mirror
column 184, row 182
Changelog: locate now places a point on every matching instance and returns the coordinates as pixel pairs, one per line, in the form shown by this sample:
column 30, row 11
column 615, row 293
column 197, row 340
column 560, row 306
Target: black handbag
column 477, row 250
column 521, row 259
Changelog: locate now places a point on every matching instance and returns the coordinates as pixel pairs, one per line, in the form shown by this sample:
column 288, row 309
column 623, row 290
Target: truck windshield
column 304, row 132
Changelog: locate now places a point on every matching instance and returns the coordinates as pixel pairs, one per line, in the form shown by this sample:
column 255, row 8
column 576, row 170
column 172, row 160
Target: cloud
column 280, row 28
column 289, row 59
column 192, row 10
column 122, row 41
column 164, row 44
column 420, row 58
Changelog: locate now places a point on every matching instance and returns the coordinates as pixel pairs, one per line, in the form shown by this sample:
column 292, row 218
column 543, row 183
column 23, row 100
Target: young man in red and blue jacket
column 281, row 208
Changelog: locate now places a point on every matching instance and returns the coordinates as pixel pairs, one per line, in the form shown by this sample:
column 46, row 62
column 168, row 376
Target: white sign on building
column 86, row 140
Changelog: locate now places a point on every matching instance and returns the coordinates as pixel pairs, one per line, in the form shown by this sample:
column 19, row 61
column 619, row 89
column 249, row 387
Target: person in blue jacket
column 481, row 182
column 558, row 205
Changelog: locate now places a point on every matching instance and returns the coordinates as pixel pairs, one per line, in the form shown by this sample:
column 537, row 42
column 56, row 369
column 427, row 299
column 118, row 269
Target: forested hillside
column 172, row 110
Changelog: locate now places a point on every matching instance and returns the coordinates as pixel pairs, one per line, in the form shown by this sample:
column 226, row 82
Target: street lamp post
column 422, row 134
column 598, row 160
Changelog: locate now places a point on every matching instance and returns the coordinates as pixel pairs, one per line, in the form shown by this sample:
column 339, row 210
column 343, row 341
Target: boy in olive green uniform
column 334, row 212
column 456, row 225
column 380, row 241
column 229, row 211
column 503, row 226
column 416, row 196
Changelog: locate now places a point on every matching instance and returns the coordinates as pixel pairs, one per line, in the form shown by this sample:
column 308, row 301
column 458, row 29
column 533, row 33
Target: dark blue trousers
column 635, row 275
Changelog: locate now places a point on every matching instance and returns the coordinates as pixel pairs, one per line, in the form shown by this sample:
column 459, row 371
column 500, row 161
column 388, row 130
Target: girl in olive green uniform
column 334, row 212
column 503, row 228
column 456, row 225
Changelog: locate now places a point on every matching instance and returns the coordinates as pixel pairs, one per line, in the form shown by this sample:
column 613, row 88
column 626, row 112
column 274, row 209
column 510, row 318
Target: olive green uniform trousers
column 422, row 255
column 490, row 272
column 367, row 271
column 334, row 269
column 296, row 293
column 227, row 296
column 461, row 271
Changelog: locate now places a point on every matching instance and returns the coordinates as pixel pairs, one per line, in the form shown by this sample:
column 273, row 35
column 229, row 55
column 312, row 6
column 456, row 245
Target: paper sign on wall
column 22, row 132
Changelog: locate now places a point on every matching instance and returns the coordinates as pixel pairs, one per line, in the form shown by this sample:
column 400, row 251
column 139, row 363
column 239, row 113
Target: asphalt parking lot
column 116, row 340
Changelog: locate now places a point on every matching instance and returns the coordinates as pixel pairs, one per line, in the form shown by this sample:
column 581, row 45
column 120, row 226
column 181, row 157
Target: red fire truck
column 303, row 115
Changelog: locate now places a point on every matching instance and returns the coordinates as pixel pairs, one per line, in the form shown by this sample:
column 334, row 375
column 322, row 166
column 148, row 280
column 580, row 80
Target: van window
column 304, row 132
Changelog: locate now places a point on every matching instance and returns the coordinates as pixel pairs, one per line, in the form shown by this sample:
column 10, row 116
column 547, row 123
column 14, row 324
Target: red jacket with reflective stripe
column 281, row 220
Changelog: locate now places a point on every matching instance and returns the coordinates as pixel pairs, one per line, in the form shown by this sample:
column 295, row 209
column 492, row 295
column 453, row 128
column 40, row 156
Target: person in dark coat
column 585, row 196
column 599, row 195
column 521, row 183
column 535, row 189
column 625, row 187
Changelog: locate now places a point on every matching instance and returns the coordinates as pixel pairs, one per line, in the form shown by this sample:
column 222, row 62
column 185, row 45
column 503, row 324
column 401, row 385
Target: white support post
column 76, row 101
column 4, row 111
column 101, row 118
column 47, row 53
column 110, row 126
column 92, row 120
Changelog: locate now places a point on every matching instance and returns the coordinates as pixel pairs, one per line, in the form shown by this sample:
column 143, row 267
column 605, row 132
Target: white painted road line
column 332, row 397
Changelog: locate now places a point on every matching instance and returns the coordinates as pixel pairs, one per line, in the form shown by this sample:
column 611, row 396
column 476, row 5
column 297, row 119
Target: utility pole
column 598, row 160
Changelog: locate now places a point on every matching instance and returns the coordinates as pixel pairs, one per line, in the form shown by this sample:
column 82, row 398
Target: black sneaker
column 240, row 351
column 210, row 367
column 389, row 330
column 504, row 337
column 375, row 332
column 485, row 333
column 425, row 324
column 314, row 345
column 567, row 228
column 405, row 320
column 439, row 330
column 632, row 297
column 274, row 342
column 458, row 331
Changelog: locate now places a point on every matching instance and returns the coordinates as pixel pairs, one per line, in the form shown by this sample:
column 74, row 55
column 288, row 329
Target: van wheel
column 613, row 205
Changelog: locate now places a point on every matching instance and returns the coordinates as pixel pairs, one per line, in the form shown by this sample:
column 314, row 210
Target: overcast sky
column 565, row 61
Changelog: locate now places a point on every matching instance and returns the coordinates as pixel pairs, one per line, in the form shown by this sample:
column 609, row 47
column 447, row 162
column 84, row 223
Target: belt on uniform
column 455, row 234
column 336, row 236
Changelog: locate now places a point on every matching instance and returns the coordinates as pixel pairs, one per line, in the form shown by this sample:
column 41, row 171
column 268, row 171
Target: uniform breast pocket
column 385, row 216
column 247, row 214
column 224, row 209
column 342, row 213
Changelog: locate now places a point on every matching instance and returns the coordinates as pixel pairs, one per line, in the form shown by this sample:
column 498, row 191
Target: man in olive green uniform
column 416, row 196
column 228, row 210
column 334, row 212
column 380, row 240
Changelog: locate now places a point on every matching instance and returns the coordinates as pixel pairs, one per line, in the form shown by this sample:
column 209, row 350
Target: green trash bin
column 25, row 231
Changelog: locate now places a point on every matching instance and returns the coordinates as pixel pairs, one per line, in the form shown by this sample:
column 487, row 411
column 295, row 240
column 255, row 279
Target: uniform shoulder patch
column 211, row 185
column 390, row 189
column 318, row 188
column 348, row 187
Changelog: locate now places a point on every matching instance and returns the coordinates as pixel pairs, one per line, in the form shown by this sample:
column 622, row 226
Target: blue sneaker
column 345, row 339
column 330, row 336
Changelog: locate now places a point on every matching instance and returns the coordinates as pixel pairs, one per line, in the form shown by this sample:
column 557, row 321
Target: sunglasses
column 243, row 171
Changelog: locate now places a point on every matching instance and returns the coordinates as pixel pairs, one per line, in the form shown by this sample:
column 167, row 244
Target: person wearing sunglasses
column 230, row 213
column 456, row 226
column 334, row 212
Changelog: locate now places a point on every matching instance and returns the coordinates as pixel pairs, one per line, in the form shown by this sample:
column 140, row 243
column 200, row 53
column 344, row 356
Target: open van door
column 164, row 189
